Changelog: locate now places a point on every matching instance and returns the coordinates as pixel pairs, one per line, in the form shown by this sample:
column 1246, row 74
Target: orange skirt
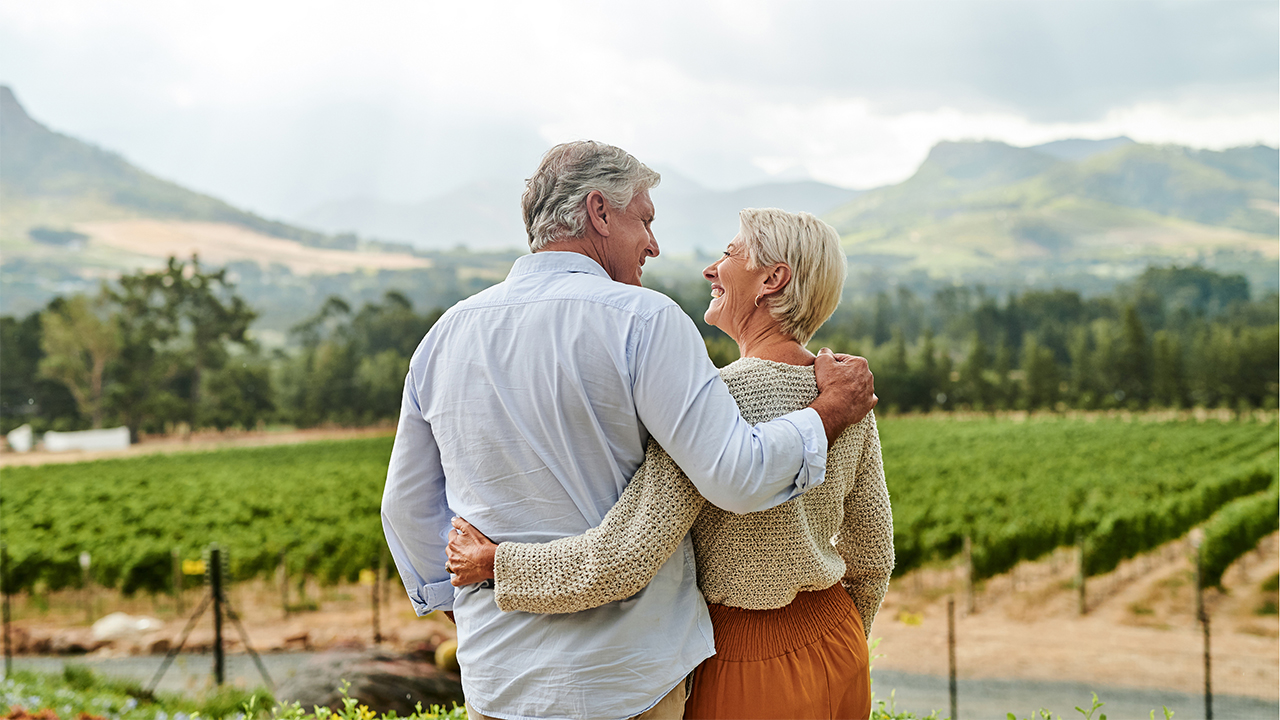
column 805, row 660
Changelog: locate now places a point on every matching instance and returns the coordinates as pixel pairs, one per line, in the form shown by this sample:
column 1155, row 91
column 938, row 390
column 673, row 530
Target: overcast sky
column 281, row 106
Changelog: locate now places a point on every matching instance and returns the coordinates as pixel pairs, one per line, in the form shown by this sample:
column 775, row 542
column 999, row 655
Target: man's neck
column 591, row 245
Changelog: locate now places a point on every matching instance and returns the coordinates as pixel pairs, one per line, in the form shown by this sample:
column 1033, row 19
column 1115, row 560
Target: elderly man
column 527, row 409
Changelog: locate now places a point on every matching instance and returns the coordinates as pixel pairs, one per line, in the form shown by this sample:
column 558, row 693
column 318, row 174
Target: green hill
column 47, row 178
column 977, row 208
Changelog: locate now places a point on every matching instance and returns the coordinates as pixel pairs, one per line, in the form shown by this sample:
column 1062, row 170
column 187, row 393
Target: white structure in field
column 110, row 439
column 21, row 439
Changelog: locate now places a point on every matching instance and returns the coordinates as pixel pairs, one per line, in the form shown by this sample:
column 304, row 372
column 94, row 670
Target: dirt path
column 197, row 442
column 1140, row 630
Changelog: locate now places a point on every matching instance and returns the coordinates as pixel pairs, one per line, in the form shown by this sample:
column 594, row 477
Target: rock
column 71, row 644
column 382, row 681
column 301, row 641
column 120, row 626
column 446, row 656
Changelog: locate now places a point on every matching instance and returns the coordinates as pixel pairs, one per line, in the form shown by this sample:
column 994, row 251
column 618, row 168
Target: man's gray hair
column 554, row 201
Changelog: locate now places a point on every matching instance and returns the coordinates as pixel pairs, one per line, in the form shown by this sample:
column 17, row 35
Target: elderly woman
column 793, row 590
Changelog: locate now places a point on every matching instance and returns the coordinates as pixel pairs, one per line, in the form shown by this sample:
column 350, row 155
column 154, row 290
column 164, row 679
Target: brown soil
column 220, row 243
column 1139, row 631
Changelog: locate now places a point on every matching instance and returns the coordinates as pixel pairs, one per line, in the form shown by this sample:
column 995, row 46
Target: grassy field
column 1017, row 489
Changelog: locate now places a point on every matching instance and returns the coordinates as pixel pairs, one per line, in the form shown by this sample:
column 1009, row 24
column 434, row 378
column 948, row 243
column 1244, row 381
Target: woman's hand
column 470, row 555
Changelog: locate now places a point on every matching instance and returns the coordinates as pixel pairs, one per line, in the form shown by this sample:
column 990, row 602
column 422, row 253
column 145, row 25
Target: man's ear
column 777, row 279
column 598, row 212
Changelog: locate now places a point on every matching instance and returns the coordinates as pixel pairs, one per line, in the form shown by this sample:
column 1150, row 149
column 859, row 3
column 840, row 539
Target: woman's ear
column 777, row 279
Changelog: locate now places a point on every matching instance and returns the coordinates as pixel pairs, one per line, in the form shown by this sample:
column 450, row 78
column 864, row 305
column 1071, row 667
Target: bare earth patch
column 220, row 243
column 1140, row 629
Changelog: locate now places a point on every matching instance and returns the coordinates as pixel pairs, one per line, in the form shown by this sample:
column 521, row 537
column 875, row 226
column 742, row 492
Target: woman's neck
column 773, row 345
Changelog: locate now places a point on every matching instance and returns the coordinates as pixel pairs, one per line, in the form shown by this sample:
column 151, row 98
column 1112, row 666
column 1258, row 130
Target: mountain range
column 48, row 176
column 486, row 215
column 985, row 211
column 973, row 208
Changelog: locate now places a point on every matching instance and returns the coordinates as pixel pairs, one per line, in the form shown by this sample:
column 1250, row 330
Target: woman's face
column 734, row 289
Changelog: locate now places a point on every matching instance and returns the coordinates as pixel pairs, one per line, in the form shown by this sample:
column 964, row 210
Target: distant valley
column 1073, row 213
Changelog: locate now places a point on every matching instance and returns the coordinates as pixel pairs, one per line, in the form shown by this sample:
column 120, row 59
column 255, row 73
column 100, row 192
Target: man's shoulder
column 575, row 288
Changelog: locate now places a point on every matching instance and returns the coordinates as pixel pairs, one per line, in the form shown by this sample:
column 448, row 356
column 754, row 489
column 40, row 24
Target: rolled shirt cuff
column 813, row 436
column 432, row 597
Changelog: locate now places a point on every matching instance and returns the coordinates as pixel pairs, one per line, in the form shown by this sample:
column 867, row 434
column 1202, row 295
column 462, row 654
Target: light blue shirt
column 526, row 410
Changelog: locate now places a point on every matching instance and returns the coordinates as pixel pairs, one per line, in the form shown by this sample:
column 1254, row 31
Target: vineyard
column 318, row 503
column 1019, row 490
column 1016, row 489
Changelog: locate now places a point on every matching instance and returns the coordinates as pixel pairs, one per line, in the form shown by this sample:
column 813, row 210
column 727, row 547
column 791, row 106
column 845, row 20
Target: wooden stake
column 968, row 578
column 951, row 653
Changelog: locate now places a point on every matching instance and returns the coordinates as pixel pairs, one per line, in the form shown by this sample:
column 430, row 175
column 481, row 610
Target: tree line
column 1170, row 338
column 174, row 350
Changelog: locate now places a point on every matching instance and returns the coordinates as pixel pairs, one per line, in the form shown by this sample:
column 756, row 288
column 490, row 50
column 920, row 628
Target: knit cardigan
column 840, row 531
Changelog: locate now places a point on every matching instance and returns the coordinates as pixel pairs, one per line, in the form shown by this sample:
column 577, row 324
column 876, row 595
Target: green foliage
column 79, row 692
column 78, row 342
column 1236, row 529
column 352, row 365
column 319, row 501
column 1019, row 490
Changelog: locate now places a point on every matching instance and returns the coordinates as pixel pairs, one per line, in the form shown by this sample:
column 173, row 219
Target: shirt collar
column 550, row 261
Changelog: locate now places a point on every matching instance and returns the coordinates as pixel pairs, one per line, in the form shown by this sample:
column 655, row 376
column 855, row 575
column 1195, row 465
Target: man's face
column 630, row 240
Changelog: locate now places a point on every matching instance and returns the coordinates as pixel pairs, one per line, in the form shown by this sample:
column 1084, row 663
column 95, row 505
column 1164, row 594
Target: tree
column 1041, row 376
column 175, row 326
column 78, row 341
column 25, row 395
column 210, row 316
column 976, row 388
column 1168, row 378
column 1083, row 385
column 142, row 378
column 1134, row 361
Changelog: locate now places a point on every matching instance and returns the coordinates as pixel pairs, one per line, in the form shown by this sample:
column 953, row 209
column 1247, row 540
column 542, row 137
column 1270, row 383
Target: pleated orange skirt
column 805, row 660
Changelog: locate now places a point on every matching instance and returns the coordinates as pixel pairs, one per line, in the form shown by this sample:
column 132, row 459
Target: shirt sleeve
column 415, row 513
column 610, row 562
column 684, row 404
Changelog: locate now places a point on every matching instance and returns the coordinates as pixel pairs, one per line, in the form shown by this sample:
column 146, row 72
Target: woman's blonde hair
column 811, row 248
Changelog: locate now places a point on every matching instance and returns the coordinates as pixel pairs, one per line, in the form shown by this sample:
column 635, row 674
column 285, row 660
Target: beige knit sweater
column 841, row 531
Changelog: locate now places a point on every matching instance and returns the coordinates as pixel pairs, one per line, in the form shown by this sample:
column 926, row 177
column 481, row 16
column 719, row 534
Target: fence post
column 381, row 582
column 215, row 586
column 970, row 601
column 1202, row 614
column 4, row 589
column 1081, row 604
column 85, row 561
column 177, row 579
column 951, row 653
column 284, row 584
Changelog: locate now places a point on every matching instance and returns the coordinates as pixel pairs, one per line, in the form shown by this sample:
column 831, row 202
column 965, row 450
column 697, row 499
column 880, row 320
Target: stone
column 380, row 680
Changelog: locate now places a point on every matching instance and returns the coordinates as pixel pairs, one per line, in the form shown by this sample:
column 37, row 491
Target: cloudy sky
column 280, row 106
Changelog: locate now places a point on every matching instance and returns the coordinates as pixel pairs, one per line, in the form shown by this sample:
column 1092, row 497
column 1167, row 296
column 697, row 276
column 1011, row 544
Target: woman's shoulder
column 766, row 389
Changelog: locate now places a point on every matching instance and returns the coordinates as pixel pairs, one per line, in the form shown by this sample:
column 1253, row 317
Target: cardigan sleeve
column 610, row 562
column 866, row 536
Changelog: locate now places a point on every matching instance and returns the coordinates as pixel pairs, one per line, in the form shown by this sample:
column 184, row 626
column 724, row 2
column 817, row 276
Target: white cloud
column 281, row 105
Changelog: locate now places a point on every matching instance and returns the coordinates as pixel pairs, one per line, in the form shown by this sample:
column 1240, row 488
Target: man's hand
column 470, row 554
column 846, row 391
